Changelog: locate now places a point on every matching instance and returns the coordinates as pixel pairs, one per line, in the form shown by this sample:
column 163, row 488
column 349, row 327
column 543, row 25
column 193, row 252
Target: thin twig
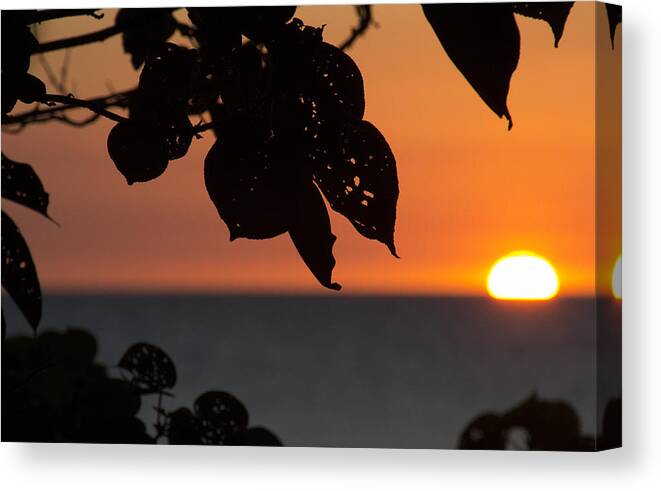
column 53, row 14
column 91, row 105
column 92, row 37
column 43, row 115
column 365, row 20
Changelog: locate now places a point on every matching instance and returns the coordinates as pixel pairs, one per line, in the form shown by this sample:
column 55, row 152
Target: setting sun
column 522, row 275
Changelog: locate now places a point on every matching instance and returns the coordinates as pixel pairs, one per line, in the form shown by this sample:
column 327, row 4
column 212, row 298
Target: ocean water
column 349, row 371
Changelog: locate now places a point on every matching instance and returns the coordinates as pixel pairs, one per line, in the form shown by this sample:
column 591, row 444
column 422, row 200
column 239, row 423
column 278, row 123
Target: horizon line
column 300, row 293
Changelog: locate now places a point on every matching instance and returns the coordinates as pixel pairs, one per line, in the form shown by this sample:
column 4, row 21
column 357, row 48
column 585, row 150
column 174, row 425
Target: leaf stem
column 91, row 105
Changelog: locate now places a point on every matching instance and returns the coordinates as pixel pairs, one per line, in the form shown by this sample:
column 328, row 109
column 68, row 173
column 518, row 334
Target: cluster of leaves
column 218, row 418
column 547, row 425
column 483, row 40
column 288, row 109
column 55, row 391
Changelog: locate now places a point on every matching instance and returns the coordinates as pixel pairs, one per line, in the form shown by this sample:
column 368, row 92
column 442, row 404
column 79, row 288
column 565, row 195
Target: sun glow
column 522, row 275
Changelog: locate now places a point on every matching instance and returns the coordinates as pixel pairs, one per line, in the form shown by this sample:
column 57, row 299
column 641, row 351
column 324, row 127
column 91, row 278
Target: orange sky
column 470, row 191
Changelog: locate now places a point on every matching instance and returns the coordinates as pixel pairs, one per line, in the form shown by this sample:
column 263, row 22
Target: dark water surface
column 353, row 371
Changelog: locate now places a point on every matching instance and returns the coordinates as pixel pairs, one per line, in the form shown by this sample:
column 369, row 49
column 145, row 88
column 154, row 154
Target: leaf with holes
column 220, row 415
column 483, row 42
column 358, row 176
column 19, row 275
column 21, row 184
column 310, row 232
column 151, row 368
column 338, row 84
column 554, row 13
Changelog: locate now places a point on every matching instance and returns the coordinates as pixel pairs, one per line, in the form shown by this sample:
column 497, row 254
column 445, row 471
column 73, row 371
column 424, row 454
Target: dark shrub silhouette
column 53, row 390
column 542, row 425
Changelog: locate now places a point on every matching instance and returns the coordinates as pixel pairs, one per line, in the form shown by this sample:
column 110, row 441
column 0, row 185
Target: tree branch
column 97, row 106
column 58, row 113
column 365, row 20
column 91, row 105
column 53, row 14
column 92, row 37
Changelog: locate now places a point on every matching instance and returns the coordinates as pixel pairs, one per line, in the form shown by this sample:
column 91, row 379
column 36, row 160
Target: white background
column 636, row 466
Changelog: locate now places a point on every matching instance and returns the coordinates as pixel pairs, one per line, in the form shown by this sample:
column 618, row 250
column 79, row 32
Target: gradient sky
column 470, row 191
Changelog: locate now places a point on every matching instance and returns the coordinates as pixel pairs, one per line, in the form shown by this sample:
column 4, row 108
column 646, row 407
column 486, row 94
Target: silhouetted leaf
column 338, row 84
column 483, row 42
column 138, row 152
column 151, row 368
column 247, row 186
column 554, row 13
column 145, row 30
column 614, row 13
column 21, row 184
column 311, row 234
column 32, row 89
column 220, row 415
column 19, row 275
column 358, row 176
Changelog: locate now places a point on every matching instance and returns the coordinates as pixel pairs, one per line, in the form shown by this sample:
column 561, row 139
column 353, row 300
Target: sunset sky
column 470, row 191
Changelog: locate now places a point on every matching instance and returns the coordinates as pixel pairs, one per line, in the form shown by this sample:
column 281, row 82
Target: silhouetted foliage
column 286, row 107
column 483, row 42
column 554, row 13
column 614, row 13
column 21, row 184
column 151, row 369
column 538, row 424
column 144, row 31
column 53, row 390
column 19, row 275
